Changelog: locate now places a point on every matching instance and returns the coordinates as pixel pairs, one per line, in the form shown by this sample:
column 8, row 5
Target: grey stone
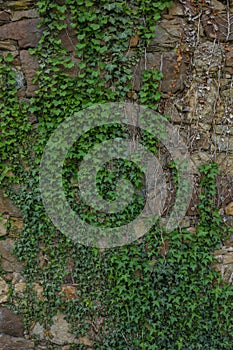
column 38, row 331
column 60, row 331
column 223, row 129
column 10, row 323
column 224, row 143
column 15, row 343
column 18, row 15
column 20, row 79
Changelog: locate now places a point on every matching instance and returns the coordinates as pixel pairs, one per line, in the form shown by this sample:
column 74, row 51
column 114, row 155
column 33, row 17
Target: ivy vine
column 160, row 292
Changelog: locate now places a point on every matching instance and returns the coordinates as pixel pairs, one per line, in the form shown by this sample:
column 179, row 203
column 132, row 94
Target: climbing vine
column 160, row 292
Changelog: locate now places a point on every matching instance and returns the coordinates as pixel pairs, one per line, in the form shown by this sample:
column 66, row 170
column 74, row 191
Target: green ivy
column 146, row 299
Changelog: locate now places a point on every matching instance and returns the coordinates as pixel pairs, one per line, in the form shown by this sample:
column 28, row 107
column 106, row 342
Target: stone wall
column 193, row 47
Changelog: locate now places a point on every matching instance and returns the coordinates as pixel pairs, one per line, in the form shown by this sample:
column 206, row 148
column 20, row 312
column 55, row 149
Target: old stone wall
column 193, row 47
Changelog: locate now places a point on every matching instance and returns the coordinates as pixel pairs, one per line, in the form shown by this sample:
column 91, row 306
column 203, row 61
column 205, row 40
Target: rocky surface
column 15, row 343
column 59, row 331
column 10, row 323
column 8, row 260
column 4, row 291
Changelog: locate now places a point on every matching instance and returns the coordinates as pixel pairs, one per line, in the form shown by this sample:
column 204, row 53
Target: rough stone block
column 29, row 68
column 4, row 290
column 18, row 15
column 8, row 259
column 15, row 343
column 10, row 323
column 4, row 17
column 25, row 32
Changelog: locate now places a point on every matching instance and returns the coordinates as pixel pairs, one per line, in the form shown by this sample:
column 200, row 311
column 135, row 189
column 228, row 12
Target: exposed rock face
column 9, row 260
column 25, row 32
column 4, row 290
column 13, row 343
column 3, row 229
column 10, row 323
column 59, row 331
column 229, row 209
column 29, row 68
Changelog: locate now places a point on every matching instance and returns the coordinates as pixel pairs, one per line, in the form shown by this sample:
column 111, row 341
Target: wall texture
column 193, row 47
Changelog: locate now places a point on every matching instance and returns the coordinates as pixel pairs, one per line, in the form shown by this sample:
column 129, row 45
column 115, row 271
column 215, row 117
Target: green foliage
column 149, row 93
column 147, row 297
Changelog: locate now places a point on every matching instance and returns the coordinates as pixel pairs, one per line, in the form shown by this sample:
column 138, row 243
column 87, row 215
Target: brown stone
column 16, row 278
column 10, row 323
column 228, row 273
column 7, row 207
column 176, row 9
column 133, row 42
column 38, row 289
column 229, row 209
column 152, row 59
column 18, row 15
column 4, row 290
column 15, row 343
column 20, row 289
column 85, row 341
column 167, row 34
column 216, row 26
column 4, row 17
column 68, row 38
column 16, row 225
column 8, row 259
column 174, row 74
column 25, row 32
column 29, row 68
column 217, row 5
column 228, row 258
column 228, row 242
column 69, row 292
